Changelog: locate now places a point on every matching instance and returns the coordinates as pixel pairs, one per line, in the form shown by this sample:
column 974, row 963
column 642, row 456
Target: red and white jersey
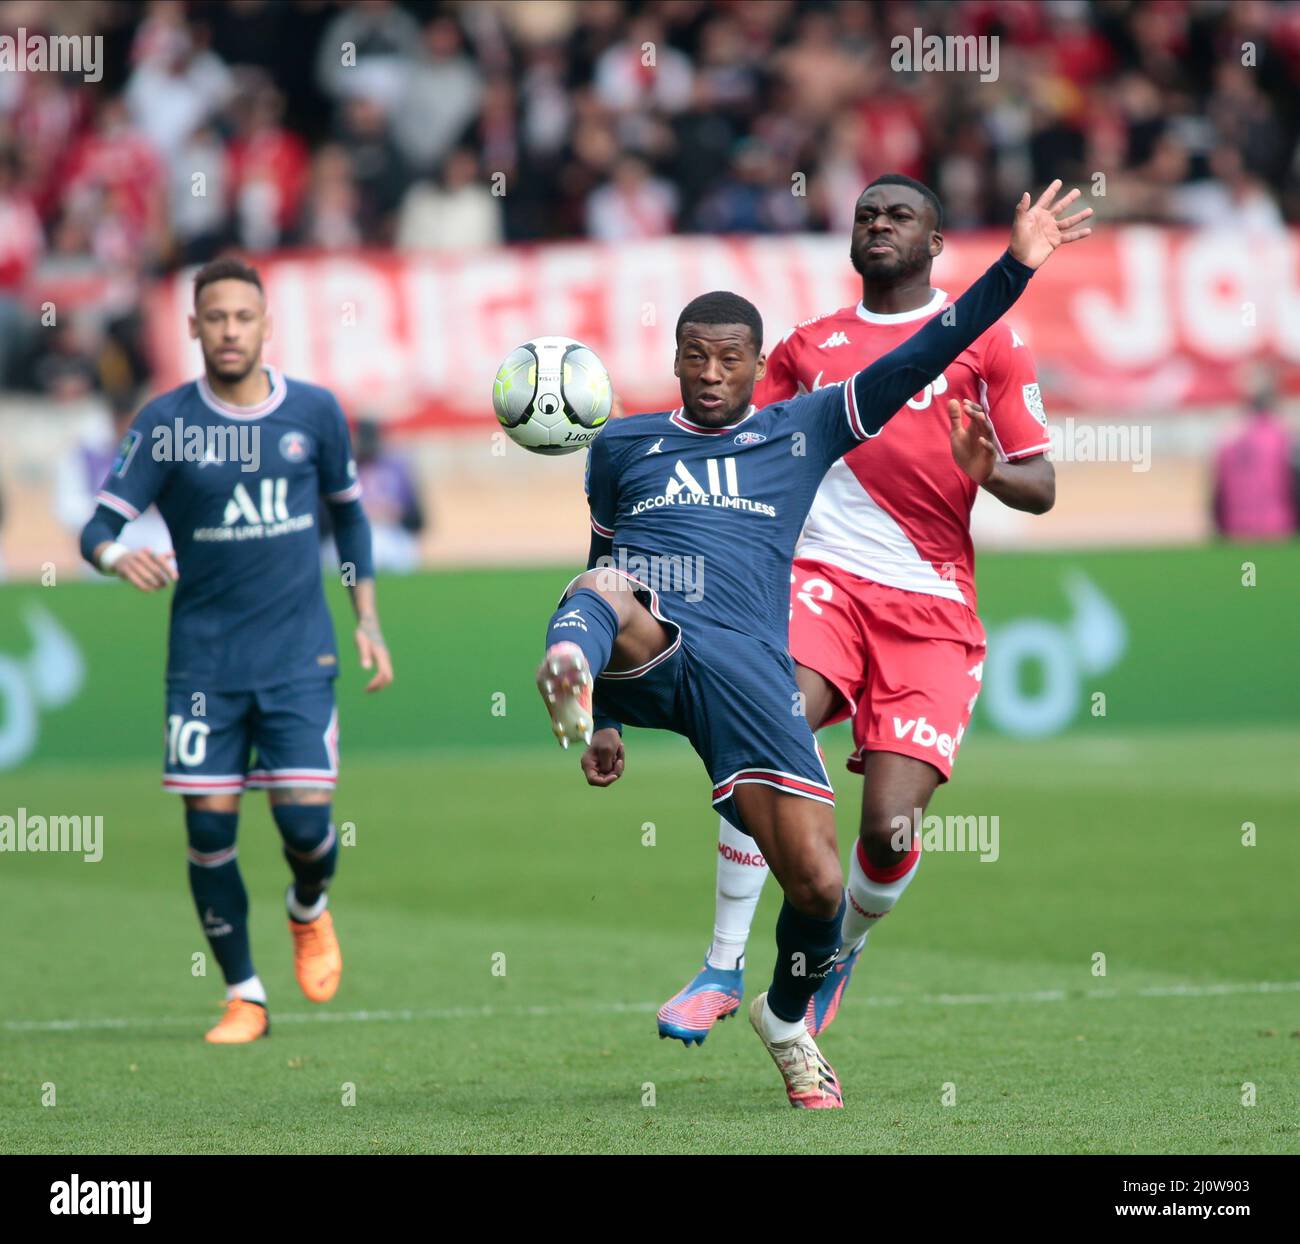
column 896, row 509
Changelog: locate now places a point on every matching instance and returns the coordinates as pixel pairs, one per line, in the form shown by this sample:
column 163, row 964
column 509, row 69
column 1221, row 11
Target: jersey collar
column 904, row 317
column 279, row 390
column 678, row 419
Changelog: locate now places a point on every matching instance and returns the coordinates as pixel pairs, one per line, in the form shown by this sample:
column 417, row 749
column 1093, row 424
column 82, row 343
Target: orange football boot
column 243, row 1021
column 317, row 960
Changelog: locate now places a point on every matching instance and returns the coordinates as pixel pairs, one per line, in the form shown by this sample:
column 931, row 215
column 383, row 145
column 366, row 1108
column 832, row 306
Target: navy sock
column 218, row 889
column 805, row 952
column 587, row 619
column 310, row 845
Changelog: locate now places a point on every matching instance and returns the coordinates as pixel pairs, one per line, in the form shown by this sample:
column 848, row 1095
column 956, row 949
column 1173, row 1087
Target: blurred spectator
column 21, row 243
column 177, row 84
column 1229, row 198
column 440, row 97
column 379, row 172
column 1256, row 475
column 115, row 183
column 368, row 48
column 460, row 214
column 269, row 167
column 633, row 204
column 641, row 71
column 332, row 219
column 751, row 197
column 197, row 197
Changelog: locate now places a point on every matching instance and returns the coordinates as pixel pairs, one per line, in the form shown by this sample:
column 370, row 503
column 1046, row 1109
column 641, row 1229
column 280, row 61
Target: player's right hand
column 147, row 570
column 602, row 762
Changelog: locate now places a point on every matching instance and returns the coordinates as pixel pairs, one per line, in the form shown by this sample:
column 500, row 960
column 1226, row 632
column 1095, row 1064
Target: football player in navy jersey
column 235, row 462
column 724, row 488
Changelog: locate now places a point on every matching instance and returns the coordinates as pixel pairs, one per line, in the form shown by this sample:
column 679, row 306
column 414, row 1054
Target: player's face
column 230, row 323
column 717, row 366
column 893, row 234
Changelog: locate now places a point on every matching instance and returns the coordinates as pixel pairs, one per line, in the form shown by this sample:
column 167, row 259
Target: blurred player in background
column 883, row 622
column 713, row 666
column 235, row 462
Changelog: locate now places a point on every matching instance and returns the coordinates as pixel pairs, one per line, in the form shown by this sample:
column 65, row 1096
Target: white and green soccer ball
column 552, row 395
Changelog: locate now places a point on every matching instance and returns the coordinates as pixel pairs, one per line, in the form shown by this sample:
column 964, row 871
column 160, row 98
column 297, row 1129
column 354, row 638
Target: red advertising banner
column 1135, row 319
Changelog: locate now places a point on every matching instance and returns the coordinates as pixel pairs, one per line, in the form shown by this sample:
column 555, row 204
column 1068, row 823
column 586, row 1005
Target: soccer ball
column 552, row 395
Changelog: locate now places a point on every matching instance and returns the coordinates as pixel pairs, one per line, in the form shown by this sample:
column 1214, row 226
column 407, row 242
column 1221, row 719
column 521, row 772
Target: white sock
column 777, row 1029
column 741, row 873
column 251, row 990
column 304, row 914
column 868, row 900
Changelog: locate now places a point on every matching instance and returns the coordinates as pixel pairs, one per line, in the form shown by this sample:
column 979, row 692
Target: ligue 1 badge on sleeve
column 125, row 452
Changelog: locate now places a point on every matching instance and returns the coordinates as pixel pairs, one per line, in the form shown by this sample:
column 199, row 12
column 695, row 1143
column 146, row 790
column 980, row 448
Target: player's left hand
column 602, row 762
column 1040, row 229
column 973, row 447
column 374, row 653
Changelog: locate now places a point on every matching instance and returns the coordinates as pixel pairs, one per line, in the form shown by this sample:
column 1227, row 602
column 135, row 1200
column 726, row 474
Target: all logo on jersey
column 716, row 487
column 294, row 446
column 835, row 339
column 257, row 516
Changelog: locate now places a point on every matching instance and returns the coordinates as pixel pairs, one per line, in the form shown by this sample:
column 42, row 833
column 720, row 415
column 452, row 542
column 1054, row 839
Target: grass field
column 982, row 980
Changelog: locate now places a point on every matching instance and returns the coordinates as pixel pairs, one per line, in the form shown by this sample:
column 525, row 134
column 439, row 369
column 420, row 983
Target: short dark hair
column 227, row 268
column 901, row 179
column 722, row 307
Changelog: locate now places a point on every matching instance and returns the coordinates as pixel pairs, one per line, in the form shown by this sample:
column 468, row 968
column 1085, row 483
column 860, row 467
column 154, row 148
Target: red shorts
column 908, row 665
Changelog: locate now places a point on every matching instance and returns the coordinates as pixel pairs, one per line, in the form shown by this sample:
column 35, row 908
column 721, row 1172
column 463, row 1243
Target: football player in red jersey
column 883, row 622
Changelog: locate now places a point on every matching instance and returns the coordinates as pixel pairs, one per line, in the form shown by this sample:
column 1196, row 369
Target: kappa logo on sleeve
column 126, row 451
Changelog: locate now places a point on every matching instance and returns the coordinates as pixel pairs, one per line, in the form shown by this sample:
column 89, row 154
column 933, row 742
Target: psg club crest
column 293, row 446
column 750, row 438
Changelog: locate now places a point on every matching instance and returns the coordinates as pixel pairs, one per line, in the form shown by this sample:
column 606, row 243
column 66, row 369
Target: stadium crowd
column 247, row 124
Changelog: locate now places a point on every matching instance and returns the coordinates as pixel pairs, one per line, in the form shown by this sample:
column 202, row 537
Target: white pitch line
column 641, row 1008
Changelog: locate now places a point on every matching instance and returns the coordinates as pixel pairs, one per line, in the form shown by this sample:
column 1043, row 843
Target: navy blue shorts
column 230, row 741
column 734, row 698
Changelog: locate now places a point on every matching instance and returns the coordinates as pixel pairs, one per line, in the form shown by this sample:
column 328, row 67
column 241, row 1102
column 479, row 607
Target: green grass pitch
column 983, row 980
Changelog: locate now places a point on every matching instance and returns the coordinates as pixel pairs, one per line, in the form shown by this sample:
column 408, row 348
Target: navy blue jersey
column 709, row 517
column 238, row 488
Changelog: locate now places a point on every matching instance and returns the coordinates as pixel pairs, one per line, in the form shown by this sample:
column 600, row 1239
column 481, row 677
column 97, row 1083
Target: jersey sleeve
column 139, row 470
column 1012, row 396
column 780, row 381
column 337, row 467
column 602, row 488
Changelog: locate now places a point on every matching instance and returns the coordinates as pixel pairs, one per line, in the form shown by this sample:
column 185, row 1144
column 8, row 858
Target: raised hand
column 972, row 445
column 1040, row 229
